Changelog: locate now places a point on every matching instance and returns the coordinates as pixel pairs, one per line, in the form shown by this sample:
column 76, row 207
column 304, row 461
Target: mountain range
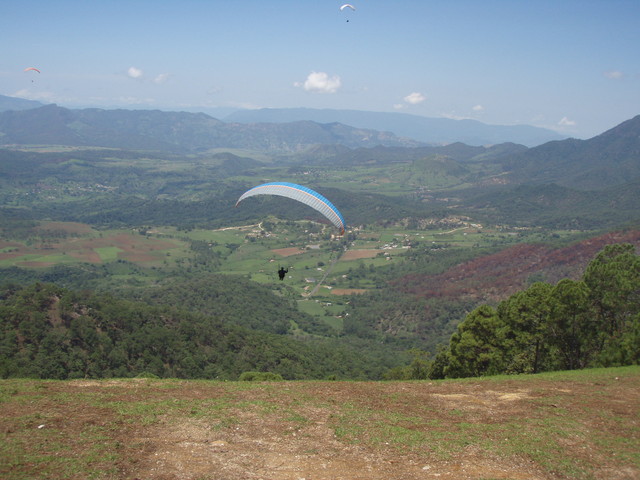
column 423, row 129
column 287, row 129
column 14, row 103
column 176, row 131
column 609, row 159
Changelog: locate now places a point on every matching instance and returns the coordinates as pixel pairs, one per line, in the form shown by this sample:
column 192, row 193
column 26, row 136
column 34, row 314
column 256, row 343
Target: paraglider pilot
column 282, row 272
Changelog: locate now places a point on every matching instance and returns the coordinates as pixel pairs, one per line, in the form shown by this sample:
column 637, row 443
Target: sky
column 567, row 65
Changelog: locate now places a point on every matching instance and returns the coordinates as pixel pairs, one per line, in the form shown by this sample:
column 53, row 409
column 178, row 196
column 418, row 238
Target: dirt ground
column 287, row 252
column 132, row 247
column 359, row 254
column 348, row 291
column 535, row 428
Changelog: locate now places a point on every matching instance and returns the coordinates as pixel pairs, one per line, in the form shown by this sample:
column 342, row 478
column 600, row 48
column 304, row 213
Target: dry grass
column 582, row 425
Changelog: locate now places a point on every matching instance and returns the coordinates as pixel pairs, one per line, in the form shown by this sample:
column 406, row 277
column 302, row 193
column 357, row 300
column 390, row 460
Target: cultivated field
column 69, row 242
column 565, row 425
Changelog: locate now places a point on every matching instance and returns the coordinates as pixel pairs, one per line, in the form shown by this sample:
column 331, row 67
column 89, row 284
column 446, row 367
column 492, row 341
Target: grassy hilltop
column 571, row 425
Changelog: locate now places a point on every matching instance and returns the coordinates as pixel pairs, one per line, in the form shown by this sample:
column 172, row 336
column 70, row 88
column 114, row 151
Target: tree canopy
column 591, row 322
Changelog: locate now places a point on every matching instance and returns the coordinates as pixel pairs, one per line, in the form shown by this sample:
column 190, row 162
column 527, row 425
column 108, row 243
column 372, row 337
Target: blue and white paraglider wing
column 301, row 194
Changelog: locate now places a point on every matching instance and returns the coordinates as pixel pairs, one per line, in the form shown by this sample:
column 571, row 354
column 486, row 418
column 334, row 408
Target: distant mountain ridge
column 423, row 129
column 608, row 159
column 176, row 131
column 15, row 103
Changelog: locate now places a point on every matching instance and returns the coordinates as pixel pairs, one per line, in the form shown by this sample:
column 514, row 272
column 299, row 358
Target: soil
column 348, row 291
column 358, row 254
column 287, row 252
column 195, row 430
column 134, row 248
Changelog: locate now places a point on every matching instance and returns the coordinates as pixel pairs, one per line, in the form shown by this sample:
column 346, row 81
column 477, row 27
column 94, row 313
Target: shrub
column 260, row 377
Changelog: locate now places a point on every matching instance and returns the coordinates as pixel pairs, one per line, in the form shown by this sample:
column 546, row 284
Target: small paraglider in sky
column 347, row 6
column 31, row 69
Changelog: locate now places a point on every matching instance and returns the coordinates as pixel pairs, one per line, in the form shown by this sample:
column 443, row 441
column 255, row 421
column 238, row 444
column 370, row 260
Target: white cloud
column 160, row 79
column 455, row 116
column 614, row 74
column 33, row 95
column 478, row 108
column 320, row 82
column 565, row 122
column 399, row 106
column 134, row 72
column 245, row 105
column 135, row 101
column 415, row 98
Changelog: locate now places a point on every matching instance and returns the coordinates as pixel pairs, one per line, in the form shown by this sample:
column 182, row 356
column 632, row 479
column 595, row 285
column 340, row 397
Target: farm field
column 320, row 267
column 562, row 425
column 68, row 242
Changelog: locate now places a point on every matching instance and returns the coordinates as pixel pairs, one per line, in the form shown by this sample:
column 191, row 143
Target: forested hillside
column 51, row 332
column 206, row 329
column 429, row 295
column 590, row 322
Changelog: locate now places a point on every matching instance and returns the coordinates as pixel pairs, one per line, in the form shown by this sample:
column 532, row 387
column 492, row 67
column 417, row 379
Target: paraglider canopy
column 31, row 69
column 347, row 6
column 301, row 194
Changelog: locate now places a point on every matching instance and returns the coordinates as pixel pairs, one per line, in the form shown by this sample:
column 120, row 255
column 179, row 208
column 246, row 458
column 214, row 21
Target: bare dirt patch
column 67, row 227
column 132, row 247
column 358, row 254
column 583, row 426
column 348, row 291
column 287, row 252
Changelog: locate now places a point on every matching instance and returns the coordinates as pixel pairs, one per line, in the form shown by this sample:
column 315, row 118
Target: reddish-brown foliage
column 497, row 276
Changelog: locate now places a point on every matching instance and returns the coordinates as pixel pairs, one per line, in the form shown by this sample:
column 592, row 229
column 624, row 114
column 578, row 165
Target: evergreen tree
column 613, row 278
column 574, row 324
column 573, row 328
column 476, row 347
column 525, row 316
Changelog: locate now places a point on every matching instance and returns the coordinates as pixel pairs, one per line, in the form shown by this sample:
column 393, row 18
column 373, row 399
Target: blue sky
column 572, row 66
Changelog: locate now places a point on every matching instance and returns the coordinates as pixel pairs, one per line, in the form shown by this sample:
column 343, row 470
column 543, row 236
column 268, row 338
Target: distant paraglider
column 31, row 69
column 347, row 6
column 301, row 194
